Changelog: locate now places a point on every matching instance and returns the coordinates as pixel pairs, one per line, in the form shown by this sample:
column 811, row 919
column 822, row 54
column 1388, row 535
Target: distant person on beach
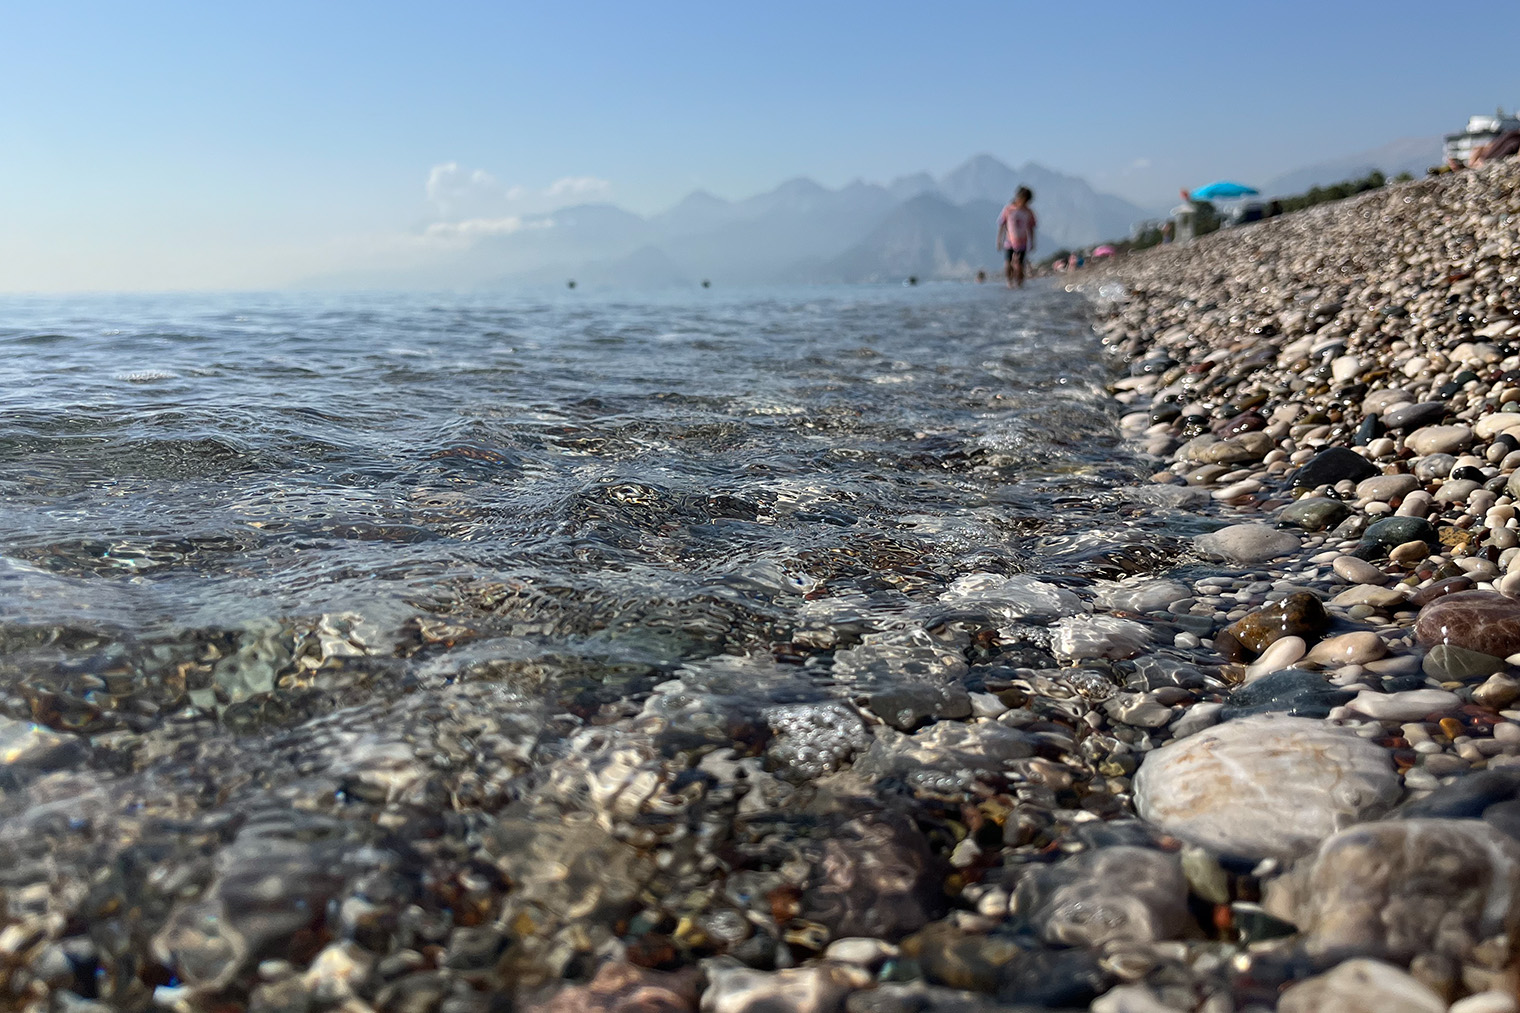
column 1016, row 227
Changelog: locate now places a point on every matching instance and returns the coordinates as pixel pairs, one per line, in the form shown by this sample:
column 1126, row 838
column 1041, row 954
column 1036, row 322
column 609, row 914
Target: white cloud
column 472, row 228
column 450, row 188
column 475, row 201
column 1140, row 163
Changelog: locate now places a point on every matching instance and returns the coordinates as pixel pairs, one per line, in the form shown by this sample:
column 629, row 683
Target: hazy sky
column 165, row 146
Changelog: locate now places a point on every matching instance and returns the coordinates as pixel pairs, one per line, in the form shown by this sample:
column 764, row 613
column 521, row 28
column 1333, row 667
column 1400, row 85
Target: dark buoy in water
column 912, row 279
column 981, row 276
column 570, row 283
column 706, row 283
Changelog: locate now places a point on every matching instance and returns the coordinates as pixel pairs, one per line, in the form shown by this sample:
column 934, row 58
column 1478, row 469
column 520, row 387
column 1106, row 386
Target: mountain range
column 799, row 232
column 803, row 232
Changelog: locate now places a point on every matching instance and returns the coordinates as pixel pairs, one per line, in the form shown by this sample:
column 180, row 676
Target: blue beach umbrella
column 1223, row 189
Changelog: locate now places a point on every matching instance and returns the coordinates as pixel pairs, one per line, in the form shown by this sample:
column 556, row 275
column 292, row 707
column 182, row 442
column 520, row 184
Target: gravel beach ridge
column 1344, row 384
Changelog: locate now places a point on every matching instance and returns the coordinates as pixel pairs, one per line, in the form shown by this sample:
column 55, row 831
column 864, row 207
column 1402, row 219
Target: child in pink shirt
column 1016, row 235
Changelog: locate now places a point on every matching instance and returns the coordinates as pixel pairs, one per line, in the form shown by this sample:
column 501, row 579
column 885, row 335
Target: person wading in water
column 1016, row 235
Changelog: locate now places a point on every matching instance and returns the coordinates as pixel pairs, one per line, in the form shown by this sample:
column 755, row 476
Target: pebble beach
column 1249, row 744
column 1343, row 382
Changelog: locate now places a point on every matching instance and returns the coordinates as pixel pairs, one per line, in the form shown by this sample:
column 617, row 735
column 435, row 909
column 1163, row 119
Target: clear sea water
column 369, row 618
column 181, row 463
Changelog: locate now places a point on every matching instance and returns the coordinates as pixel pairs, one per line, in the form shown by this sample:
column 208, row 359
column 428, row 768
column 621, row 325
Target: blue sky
column 166, row 146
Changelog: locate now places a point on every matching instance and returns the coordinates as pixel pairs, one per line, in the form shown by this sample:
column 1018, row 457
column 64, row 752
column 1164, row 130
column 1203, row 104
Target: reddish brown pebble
column 1482, row 621
column 1425, row 595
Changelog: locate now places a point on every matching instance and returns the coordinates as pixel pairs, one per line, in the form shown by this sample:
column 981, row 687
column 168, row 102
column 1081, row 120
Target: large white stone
column 1140, row 594
column 1265, row 786
column 1410, row 705
column 1246, row 544
column 1082, row 637
column 1016, row 597
column 1361, row 986
column 1439, row 439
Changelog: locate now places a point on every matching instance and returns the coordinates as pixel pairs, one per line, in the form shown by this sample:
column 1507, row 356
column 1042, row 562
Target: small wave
column 146, row 376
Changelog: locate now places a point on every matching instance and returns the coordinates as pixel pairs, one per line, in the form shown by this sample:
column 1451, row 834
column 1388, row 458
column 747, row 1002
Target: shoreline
column 1344, row 383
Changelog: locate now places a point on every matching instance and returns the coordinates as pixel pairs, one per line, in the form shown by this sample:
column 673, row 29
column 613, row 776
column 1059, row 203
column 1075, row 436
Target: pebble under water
column 417, row 650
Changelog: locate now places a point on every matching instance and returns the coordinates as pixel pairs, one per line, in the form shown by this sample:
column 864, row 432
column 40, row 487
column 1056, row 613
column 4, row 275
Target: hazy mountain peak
column 800, row 186
column 981, row 177
column 701, row 199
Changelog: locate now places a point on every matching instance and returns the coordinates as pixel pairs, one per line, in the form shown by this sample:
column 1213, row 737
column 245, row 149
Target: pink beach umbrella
column 1104, row 251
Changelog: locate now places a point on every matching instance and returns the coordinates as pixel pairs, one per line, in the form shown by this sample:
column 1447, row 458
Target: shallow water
column 266, row 555
column 173, row 463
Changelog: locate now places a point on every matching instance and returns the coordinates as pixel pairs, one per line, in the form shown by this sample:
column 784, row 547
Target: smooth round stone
column 27, row 744
column 1439, row 439
column 1451, row 663
column 1434, row 466
column 1121, row 893
column 739, row 989
column 1408, row 552
column 1238, row 490
column 1381, row 401
column 1141, row 595
column 1391, row 531
column 1386, row 487
column 1357, row 571
column 1332, row 465
column 1082, row 637
column 1493, row 1001
column 1235, row 450
column 1410, row 705
column 860, row 950
column 1481, row 621
column 1365, row 595
column 1314, row 513
column 1415, row 416
column 1361, row 986
column 1371, row 890
column 1299, row 614
column 1293, row 691
column 1417, row 504
column 1349, row 649
column 1264, row 786
column 1429, row 593
column 1280, row 654
column 1490, row 426
column 1247, row 544
column 1478, row 568
column 1457, row 490
column 1496, row 693
column 1345, row 367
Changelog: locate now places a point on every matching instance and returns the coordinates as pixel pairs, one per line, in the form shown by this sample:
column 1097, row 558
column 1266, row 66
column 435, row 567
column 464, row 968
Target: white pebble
column 1280, row 654
column 1486, row 1002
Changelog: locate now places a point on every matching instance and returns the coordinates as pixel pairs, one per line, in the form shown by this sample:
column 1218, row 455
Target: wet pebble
column 1264, row 786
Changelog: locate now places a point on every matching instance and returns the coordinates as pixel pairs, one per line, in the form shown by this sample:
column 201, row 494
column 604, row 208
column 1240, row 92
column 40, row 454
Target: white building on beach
column 1480, row 130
